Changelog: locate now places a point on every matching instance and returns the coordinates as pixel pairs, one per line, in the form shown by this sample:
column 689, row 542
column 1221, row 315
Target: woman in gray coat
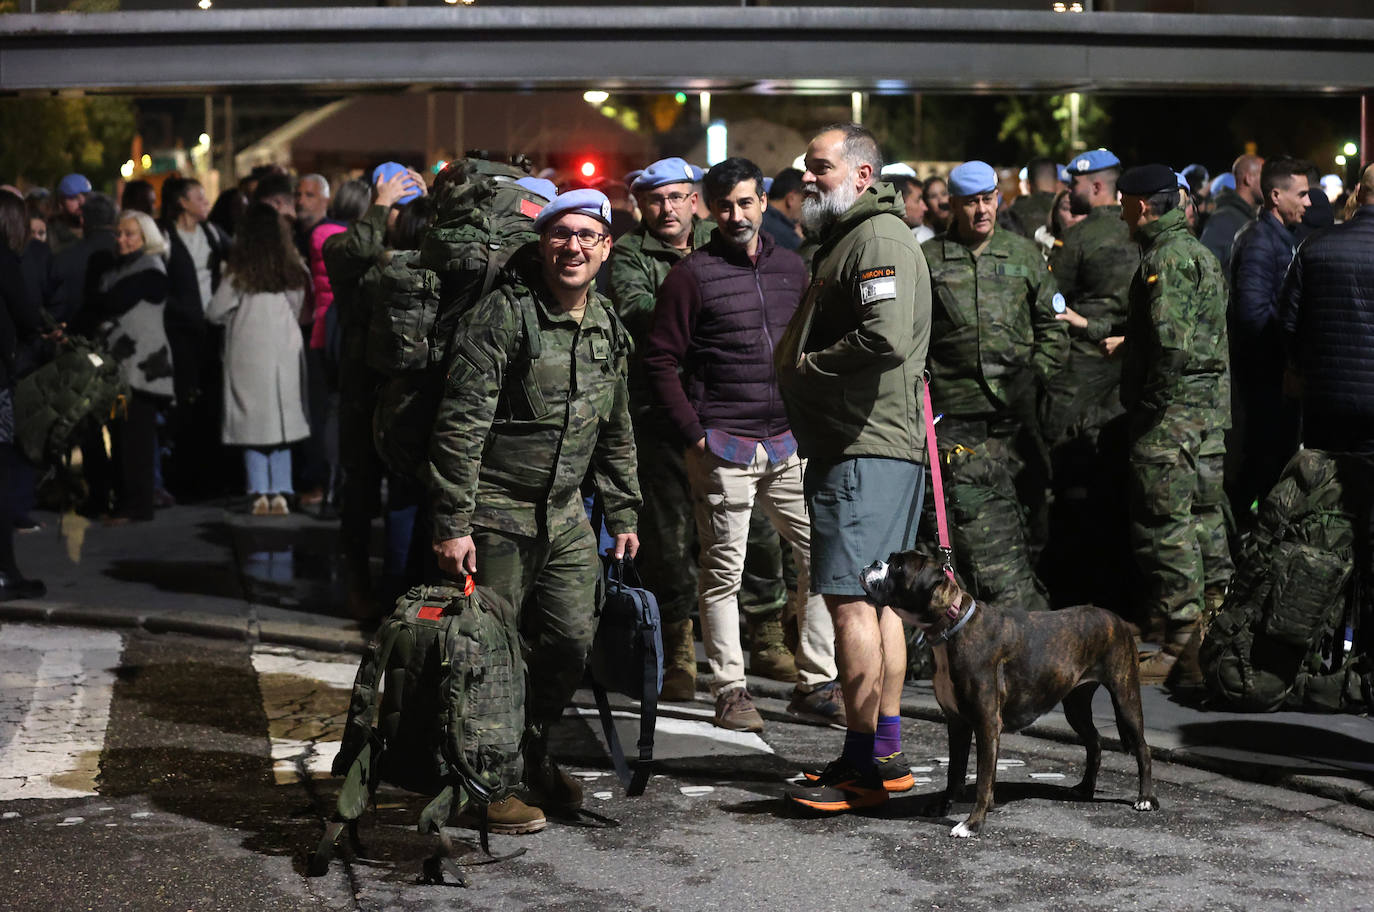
column 259, row 303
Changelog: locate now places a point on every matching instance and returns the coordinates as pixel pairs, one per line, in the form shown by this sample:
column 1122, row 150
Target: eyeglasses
column 677, row 199
column 586, row 237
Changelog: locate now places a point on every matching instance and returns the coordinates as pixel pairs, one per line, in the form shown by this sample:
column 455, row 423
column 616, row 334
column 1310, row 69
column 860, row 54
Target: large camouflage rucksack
column 1279, row 639
column 80, row 388
column 482, row 217
column 438, row 709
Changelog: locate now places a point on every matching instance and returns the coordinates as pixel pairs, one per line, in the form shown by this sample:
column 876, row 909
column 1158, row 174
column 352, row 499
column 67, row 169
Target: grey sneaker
column 824, row 705
column 735, row 711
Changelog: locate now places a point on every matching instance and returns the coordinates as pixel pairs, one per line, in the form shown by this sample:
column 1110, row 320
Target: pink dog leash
column 941, row 520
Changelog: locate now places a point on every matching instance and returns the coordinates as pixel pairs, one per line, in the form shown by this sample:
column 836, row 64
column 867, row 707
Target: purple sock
column 888, row 740
column 858, row 749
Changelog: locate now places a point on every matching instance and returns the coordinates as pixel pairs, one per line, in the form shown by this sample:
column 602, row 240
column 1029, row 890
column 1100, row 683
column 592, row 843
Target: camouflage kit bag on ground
column 81, row 386
column 437, row 709
column 1279, row 639
column 482, row 217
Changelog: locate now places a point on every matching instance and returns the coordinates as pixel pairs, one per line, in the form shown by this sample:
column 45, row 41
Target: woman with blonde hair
column 259, row 302
column 129, row 304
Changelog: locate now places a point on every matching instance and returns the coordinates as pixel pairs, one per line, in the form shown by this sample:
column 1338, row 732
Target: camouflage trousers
column 1178, row 525
column 1088, row 556
column 987, row 521
column 552, row 582
column 667, row 560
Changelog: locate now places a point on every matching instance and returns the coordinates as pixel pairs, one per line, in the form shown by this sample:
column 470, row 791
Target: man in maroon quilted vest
column 720, row 313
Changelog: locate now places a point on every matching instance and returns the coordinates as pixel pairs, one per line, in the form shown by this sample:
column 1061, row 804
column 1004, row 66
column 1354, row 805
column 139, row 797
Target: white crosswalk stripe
column 55, row 691
column 57, row 686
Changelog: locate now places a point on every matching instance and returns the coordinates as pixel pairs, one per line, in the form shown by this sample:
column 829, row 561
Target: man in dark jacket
column 784, row 208
column 721, row 311
column 1233, row 209
column 1326, row 310
column 1264, row 430
column 76, row 268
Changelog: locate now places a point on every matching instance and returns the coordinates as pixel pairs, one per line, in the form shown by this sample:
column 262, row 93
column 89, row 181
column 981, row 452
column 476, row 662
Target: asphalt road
column 150, row 772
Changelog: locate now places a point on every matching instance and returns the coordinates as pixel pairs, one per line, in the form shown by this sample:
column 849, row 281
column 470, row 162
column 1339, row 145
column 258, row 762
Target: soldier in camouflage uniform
column 1176, row 387
column 1086, row 559
column 1032, row 210
column 534, row 403
column 638, row 264
column 994, row 341
column 348, row 256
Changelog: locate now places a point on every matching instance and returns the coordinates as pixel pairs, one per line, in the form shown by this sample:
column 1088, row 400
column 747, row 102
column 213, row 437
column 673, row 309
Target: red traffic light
column 587, row 168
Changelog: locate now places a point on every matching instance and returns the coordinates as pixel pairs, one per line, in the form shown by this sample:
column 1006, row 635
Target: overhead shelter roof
column 759, row 49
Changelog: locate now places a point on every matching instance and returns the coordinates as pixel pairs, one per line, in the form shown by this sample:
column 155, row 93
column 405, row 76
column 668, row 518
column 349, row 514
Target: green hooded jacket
column 850, row 362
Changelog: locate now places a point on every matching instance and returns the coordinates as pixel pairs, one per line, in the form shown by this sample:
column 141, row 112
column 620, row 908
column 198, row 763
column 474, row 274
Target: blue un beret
column 1182, row 181
column 666, row 171
column 1224, row 181
column 579, row 202
column 1094, row 160
column 972, row 178
column 386, row 171
column 73, row 185
column 1064, row 176
column 538, row 186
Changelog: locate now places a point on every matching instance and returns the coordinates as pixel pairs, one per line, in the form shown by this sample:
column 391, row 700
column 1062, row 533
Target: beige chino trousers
column 722, row 498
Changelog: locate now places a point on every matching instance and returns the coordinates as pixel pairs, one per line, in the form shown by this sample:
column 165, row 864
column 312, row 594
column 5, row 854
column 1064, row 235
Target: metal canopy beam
column 759, row 49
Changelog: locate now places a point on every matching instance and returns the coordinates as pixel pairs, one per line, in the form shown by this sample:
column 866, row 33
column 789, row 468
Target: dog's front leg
column 988, row 734
column 960, row 739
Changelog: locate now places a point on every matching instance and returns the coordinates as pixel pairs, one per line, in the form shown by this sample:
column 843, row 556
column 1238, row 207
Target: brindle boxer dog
column 1000, row 669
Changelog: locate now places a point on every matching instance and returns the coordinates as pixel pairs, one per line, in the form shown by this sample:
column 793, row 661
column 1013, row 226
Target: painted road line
column 56, row 685
column 678, row 738
column 306, row 703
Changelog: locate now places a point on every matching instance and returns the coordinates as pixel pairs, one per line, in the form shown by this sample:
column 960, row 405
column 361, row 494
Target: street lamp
column 595, row 97
column 1340, row 160
column 1350, row 149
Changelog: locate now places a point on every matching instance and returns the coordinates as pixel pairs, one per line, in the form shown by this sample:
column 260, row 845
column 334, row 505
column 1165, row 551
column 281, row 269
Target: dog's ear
column 944, row 595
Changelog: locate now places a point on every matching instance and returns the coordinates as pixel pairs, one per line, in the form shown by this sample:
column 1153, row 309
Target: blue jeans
column 269, row 470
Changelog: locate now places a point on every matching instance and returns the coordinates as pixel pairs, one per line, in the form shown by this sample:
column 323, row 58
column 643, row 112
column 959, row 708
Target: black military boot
column 549, row 786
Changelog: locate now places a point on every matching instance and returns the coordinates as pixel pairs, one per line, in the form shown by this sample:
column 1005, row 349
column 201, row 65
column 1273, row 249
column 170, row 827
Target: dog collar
column 948, row 632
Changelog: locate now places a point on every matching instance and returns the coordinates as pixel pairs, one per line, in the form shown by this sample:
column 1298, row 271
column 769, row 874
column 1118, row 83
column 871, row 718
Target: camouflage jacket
column 348, row 256
column 638, row 264
column 1093, row 265
column 994, row 341
column 1176, row 347
column 1030, row 211
column 533, row 403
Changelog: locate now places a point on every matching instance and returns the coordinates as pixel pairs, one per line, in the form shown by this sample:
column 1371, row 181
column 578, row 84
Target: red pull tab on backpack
column 469, row 587
column 430, row 612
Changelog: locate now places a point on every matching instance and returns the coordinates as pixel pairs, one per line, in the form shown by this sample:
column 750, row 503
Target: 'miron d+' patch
column 877, row 284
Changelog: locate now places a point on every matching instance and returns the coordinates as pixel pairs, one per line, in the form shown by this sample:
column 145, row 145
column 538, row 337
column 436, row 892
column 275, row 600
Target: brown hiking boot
column 679, row 663
column 1155, row 667
column 768, row 656
column 1186, row 673
column 510, row 817
column 735, row 711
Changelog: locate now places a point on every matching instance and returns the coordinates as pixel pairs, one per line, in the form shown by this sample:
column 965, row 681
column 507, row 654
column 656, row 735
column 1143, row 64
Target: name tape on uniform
column 878, row 284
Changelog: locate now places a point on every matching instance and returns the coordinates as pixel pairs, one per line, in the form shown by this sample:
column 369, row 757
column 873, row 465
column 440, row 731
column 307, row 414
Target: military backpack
column 81, row 387
column 482, row 218
column 437, row 708
column 1279, row 640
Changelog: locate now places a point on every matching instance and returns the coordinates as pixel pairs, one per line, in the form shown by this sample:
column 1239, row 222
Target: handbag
column 627, row 658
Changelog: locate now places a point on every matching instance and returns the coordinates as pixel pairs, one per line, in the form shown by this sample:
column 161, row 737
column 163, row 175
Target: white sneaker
column 278, row 506
column 261, row 505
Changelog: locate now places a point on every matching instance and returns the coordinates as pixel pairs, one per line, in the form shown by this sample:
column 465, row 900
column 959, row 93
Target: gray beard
column 820, row 211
